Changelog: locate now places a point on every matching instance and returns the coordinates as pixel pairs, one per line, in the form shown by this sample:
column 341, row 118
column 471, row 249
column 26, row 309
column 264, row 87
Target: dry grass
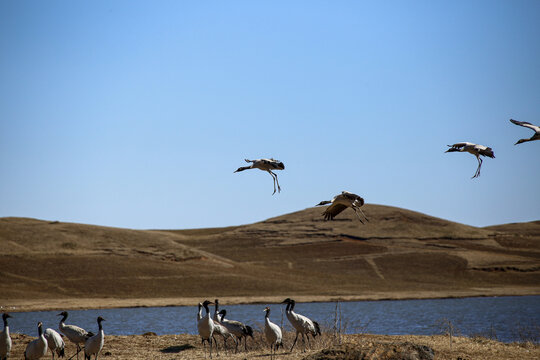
column 189, row 347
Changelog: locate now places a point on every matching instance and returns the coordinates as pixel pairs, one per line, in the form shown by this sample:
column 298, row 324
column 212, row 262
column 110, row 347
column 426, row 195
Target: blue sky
column 136, row 113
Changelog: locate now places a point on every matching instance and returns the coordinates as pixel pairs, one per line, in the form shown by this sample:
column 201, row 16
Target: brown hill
column 398, row 254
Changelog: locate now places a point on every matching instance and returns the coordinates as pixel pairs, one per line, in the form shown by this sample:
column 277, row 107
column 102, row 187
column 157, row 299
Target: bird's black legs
column 477, row 174
column 274, row 177
column 364, row 214
column 294, row 343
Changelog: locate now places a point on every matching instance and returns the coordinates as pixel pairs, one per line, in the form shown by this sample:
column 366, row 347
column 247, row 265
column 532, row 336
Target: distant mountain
column 398, row 254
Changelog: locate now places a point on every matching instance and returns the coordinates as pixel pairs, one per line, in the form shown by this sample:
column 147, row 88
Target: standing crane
column 302, row 324
column 74, row 333
column 55, row 342
column 265, row 165
column 536, row 129
column 272, row 332
column 5, row 338
column 94, row 344
column 238, row 329
column 341, row 202
column 206, row 327
column 37, row 348
column 474, row 149
column 219, row 329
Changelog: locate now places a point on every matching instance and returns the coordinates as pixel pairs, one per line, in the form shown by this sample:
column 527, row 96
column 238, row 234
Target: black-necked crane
column 302, row 324
column 94, row 344
column 272, row 332
column 341, row 202
column 536, row 129
column 5, row 338
column 219, row 329
column 37, row 348
column 237, row 328
column 476, row 150
column 75, row 334
column 206, row 327
column 55, row 342
column 265, row 165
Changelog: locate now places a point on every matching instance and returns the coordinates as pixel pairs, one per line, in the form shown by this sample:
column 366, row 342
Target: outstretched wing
column 333, row 210
column 460, row 145
column 526, row 124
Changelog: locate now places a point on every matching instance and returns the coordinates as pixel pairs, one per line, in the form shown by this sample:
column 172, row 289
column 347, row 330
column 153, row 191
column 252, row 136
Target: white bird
column 272, row 332
column 238, row 329
column 536, row 129
column 5, row 338
column 219, row 329
column 74, row 333
column 302, row 324
column 94, row 344
column 55, row 342
column 265, row 165
column 37, row 348
column 206, row 327
column 341, row 202
column 474, row 149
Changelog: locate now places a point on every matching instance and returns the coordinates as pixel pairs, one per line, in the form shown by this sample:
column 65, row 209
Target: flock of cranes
column 209, row 326
column 51, row 340
column 349, row 200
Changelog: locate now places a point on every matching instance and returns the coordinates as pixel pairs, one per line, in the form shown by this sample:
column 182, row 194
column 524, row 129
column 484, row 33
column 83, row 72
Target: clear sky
column 136, row 113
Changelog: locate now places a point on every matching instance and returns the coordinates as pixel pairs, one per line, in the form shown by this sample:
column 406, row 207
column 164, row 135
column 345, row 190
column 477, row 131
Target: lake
column 507, row 318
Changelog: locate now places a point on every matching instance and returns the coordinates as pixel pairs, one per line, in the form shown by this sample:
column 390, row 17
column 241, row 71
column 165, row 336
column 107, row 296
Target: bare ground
column 168, row 347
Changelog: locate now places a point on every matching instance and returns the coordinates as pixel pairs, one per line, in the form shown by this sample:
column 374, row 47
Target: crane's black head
column 63, row 313
column 287, row 301
column 222, row 313
column 280, row 166
column 206, row 303
column 100, row 319
column 5, row 316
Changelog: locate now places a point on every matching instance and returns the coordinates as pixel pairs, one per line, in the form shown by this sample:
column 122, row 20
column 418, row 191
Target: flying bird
column 536, row 129
column 265, row 165
column 341, row 202
column 474, row 149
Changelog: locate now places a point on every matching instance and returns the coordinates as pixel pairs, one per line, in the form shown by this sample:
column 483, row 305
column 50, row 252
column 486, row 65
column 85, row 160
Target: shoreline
column 29, row 305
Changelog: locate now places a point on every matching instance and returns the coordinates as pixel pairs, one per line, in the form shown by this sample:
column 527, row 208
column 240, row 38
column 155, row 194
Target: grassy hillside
column 399, row 253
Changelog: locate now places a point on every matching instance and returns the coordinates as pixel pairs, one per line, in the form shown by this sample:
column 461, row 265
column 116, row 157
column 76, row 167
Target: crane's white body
column 206, row 327
column 5, row 338
column 341, row 202
column 55, row 342
column 75, row 334
column 237, row 328
column 475, row 149
column 37, row 348
column 536, row 129
column 265, row 165
column 221, row 330
column 94, row 344
column 272, row 332
column 302, row 324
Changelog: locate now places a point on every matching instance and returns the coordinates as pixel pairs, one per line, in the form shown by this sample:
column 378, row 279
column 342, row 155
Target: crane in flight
column 265, row 165
column 476, row 150
column 341, row 202
column 536, row 129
